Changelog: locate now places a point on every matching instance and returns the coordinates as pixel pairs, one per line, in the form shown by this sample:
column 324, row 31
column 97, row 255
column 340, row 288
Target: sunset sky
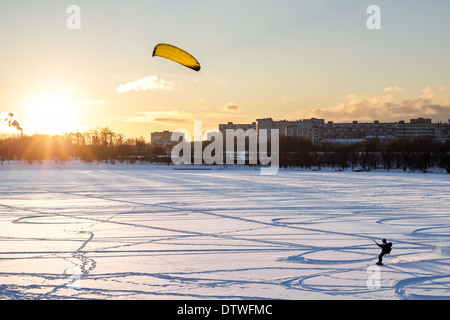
column 280, row 59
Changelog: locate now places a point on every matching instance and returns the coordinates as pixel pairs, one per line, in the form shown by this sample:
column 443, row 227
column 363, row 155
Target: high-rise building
column 162, row 139
column 316, row 130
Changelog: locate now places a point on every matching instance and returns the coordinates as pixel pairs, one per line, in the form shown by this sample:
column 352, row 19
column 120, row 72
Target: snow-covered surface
column 77, row 231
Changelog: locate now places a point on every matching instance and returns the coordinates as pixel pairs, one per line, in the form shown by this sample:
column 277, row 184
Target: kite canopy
column 176, row 54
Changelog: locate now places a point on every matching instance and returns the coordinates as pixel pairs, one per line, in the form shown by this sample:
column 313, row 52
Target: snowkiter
column 385, row 249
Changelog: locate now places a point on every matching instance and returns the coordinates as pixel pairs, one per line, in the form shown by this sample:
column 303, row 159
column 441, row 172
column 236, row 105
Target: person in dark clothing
column 385, row 249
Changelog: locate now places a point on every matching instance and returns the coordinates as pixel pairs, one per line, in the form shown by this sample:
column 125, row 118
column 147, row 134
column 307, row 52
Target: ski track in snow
column 157, row 233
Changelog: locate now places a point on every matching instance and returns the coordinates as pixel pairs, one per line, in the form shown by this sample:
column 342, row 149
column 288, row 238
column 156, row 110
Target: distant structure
column 162, row 139
column 317, row 130
column 230, row 125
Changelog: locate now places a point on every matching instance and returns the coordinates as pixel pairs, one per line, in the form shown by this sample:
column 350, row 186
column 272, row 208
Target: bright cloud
column 430, row 103
column 166, row 117
column 151, row 82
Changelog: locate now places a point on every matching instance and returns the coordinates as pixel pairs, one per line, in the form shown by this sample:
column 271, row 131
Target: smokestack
column 13, row 123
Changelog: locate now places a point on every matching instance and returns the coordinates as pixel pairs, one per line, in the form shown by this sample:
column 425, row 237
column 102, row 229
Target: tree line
column 93, row 145
column 415, row 154
column 105, row 145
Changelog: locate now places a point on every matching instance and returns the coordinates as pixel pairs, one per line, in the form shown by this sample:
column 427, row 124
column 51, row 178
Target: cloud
column 151, row 82
column 232, row 107
column 288, row 99
column 165, row 117
column 392, row 89
column 430, row 103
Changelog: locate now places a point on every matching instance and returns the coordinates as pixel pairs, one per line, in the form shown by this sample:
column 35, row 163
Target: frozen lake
column 143, row 232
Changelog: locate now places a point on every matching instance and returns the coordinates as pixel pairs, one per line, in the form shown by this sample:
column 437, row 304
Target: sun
column 52, row 115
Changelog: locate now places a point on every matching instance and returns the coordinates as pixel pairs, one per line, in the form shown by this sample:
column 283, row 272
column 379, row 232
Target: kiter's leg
column 380, row 258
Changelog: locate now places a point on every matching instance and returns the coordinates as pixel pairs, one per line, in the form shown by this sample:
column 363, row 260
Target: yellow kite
column 176, row 54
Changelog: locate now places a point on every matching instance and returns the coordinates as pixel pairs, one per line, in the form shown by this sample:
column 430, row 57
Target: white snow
column 77, row 231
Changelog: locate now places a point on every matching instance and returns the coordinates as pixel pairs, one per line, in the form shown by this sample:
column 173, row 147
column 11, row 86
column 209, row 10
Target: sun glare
column 51, row 115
